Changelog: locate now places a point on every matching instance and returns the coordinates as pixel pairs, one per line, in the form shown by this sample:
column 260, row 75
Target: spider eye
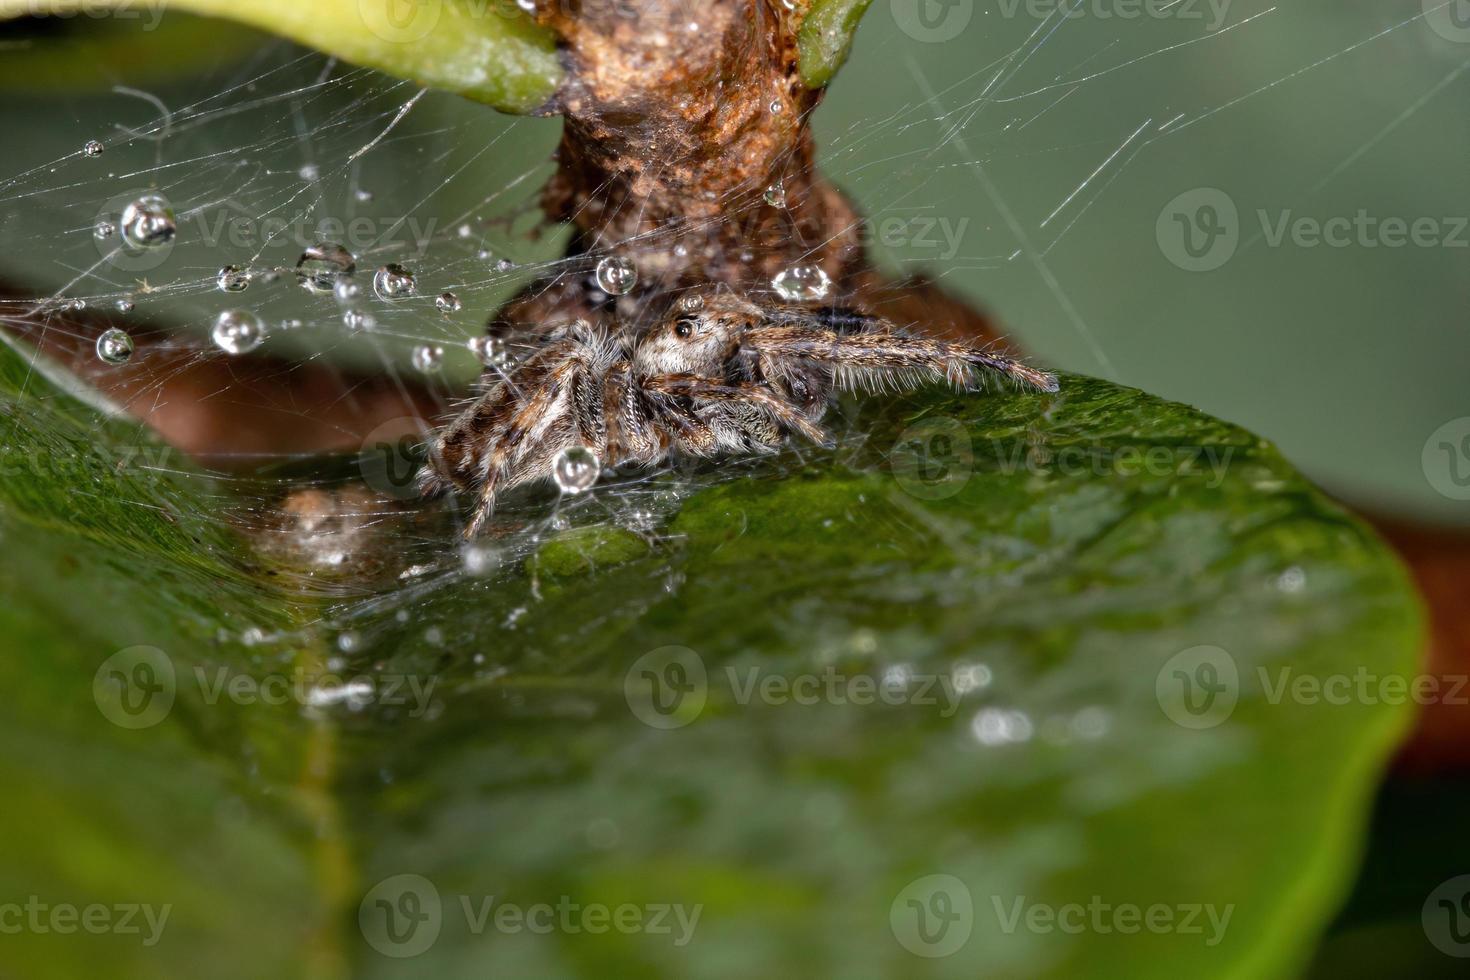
column 684, row 328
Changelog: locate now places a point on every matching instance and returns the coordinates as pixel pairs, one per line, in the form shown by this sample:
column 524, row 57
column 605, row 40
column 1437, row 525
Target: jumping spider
column 718, row 375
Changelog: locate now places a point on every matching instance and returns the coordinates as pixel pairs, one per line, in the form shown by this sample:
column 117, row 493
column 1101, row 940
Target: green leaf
column 826, row 38
column 1052, row 555
column 488, row 51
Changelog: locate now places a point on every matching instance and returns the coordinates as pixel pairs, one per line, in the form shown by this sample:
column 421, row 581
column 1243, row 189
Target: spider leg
column 709, row 390
column 882, row 356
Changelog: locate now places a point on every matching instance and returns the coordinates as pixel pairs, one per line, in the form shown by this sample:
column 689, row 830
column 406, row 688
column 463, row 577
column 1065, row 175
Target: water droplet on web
column 777, row 107
column 232, row 279
column 428, row 358
column 616, row 276
column 103, row 230
column 77, row 304
column 114, row 347
column 776, row 195
column 692, row 303
column 346, row 291
column 802, row 283
column 309, row 171
column 93, row 148
column 576, row 470
column 291, row 324
column 448, row 303
column 238, row 332
column 148, row 222
column 363, row 196
column 492, row 351
column 392, row 282
column 321, row 265
column 504, row 265
column 480, row 559
column 358, row 320
column 124, row 306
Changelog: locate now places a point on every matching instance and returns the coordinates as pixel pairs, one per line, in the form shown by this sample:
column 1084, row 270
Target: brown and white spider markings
column 718, row 375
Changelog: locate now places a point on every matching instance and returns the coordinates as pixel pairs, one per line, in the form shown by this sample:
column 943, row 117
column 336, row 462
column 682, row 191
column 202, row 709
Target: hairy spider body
column 718, row 376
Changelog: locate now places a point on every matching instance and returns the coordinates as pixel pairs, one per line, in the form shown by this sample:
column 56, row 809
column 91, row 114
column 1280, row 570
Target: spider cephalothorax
column 718, row 375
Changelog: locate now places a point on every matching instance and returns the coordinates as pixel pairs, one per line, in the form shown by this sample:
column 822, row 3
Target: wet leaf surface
column 994, row 606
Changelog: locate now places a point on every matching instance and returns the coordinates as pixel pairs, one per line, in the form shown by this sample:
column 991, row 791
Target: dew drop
column 504, row 265
column 309, row 171
column 124, row 306
column 616, row 276
column 232, row 279
column 148, row 222
column 491, row 351
column 480, row 559
column 321, row 265
column 776, row 195
column 363, row 196
column 776, row 107
column 291, row 324
column 691, row 303
column 238, row 332
column 93, row 148
column 576, row 470
column 428, row 358
column 802, row 283
column 114, row 347
column 103, row 230
column 358, row 320
column 392, row 282
column 448, row 303
column 347, row 291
